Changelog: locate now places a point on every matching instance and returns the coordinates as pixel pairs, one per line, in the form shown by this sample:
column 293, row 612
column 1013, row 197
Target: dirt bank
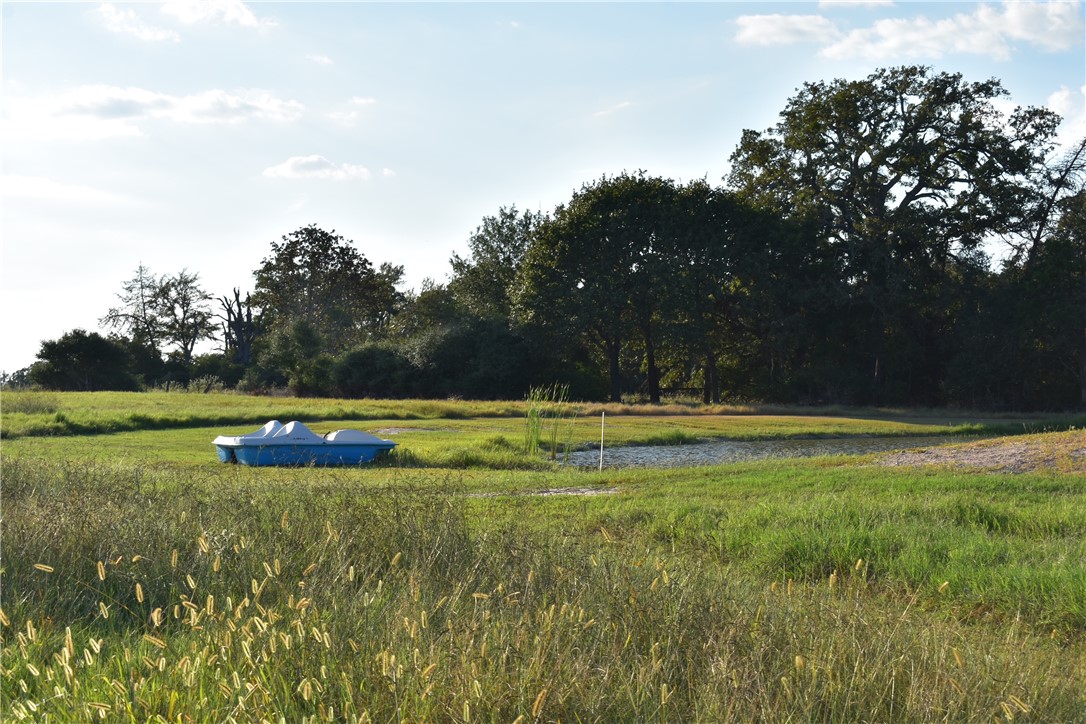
column 1063, row 452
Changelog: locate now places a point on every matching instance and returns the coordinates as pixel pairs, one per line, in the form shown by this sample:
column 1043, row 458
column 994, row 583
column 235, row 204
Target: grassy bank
column 37, row 414
column 141, row 580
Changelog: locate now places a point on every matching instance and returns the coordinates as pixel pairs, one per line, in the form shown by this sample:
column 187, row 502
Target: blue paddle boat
column 295, row 444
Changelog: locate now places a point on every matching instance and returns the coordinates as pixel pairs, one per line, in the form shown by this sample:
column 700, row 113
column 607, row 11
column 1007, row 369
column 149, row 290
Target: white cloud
column 986, row 31
column 227, row 12
column 1052, row 25
column 317, row 167
column 613, row 109
column 127, row 23
column 1070, row 104
column 784, row 29
column 38, row 188
column 359, row 101
column 387, row 172
column 94, row 112
column 320, row 59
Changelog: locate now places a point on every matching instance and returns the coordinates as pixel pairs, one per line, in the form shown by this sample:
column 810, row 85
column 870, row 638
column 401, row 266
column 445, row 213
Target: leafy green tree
column 320, row 278
column 598, row 269
column 904, row 174
column 84, row 361
column 184, row 314
column 484, row 284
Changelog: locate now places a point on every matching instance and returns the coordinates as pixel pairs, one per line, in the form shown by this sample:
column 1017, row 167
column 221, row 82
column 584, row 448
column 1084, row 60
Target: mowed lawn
column 142, row 580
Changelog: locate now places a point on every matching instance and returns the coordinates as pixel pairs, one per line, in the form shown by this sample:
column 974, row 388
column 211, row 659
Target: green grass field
column 143, row 581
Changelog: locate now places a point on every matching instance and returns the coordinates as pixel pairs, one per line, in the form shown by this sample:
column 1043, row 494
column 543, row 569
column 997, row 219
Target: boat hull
column 304, row 455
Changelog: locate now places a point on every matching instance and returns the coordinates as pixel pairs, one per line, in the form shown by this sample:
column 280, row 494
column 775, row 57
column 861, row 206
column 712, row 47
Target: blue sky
column 193, row 134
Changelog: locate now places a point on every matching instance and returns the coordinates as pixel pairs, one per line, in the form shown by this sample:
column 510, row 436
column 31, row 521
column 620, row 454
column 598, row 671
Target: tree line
column 891, row 240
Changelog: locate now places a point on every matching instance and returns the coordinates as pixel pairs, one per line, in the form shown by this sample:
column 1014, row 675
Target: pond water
column 717, row 452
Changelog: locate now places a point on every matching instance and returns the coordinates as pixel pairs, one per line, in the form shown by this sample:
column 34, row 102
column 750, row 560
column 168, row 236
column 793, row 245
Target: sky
column 192, row 134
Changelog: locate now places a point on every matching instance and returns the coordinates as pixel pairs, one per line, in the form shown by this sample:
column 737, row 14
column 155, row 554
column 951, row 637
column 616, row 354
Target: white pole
column 603, row 420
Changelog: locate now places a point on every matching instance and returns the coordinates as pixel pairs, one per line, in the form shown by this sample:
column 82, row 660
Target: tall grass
column 228, row 598
column 549, row 416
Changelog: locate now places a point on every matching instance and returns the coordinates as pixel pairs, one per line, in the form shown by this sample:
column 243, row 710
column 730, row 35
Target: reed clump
column 549, row 420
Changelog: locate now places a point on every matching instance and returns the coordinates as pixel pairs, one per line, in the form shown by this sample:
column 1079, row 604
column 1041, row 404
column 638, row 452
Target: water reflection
column 717, row 452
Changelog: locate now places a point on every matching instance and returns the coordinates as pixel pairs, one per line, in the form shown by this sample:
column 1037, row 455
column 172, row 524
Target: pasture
column 143, row 580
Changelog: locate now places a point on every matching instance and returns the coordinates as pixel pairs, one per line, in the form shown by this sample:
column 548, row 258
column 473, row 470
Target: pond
column 717, row 452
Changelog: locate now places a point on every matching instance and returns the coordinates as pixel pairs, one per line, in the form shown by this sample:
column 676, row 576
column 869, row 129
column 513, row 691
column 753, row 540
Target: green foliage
column 485, row 284
column 319, row 280
column 169, row 310
column 885, row 172
column 79, row 360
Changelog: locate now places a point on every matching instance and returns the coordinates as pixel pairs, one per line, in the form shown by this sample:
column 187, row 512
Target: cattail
column 139, row 593
column 173, row 558
column 103, row 609
column 800, row 662
column 157, row 617
column 101, row 571
column 309, row 569
column 283, row 521
column 958, row 658
column 43, row 568
column 395, row 559
column 4, row 618
column 833, row 579
column 217, row 564
column 69, row 645
column 943, row 586
column 859, row 564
